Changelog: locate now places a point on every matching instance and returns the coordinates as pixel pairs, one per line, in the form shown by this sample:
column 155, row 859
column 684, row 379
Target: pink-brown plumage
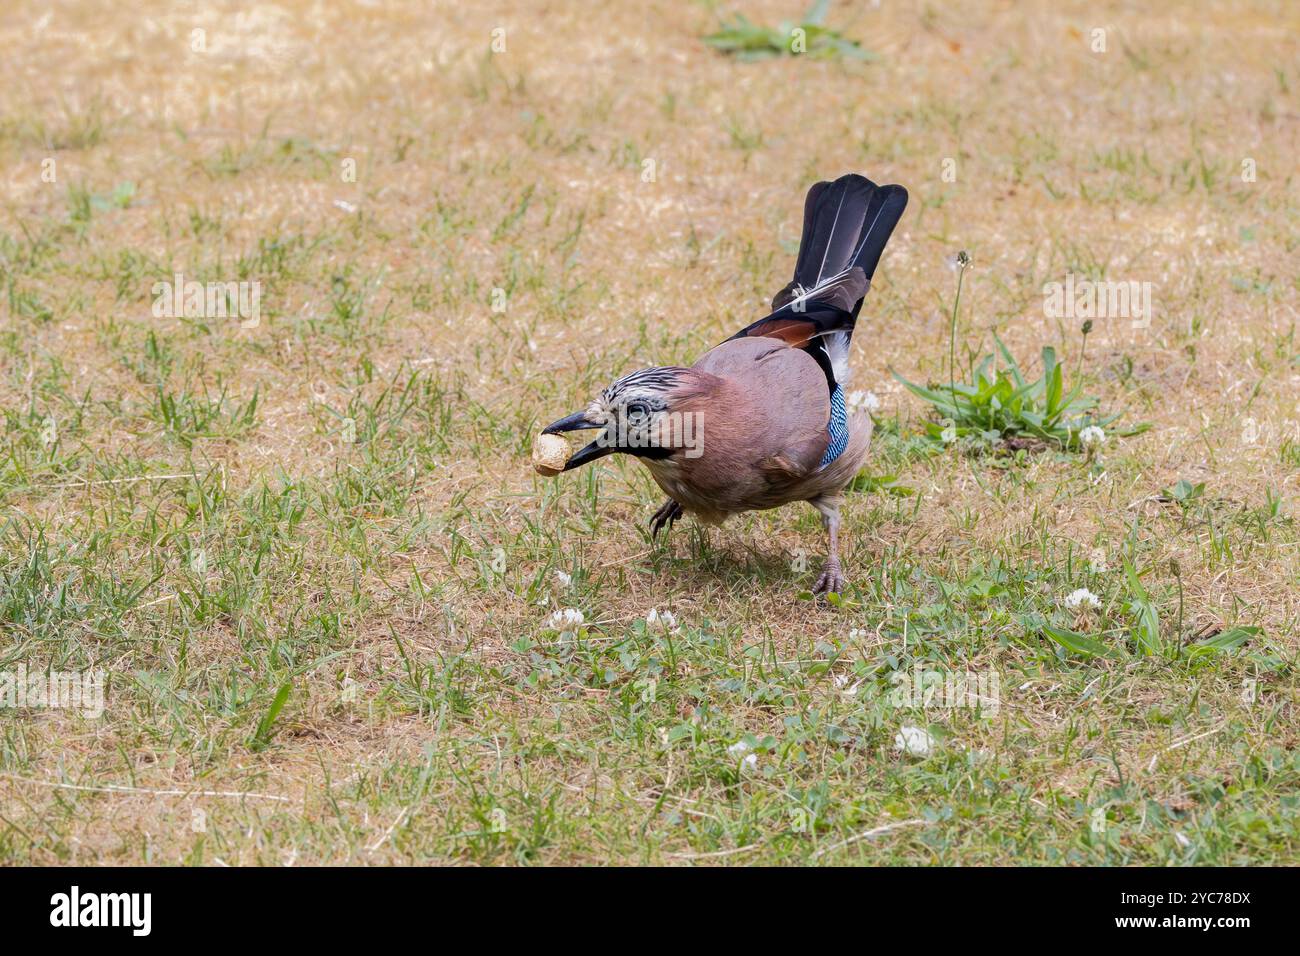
column 769, row 424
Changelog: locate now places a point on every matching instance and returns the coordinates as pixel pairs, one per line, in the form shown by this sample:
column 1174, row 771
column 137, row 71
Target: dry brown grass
column 1128, row 160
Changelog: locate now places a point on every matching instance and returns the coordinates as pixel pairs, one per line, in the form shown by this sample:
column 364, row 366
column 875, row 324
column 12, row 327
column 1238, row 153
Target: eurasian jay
column 761, row 420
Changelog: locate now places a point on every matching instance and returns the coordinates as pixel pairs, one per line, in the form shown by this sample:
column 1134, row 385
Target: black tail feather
column 845, row 228
column 846, row 223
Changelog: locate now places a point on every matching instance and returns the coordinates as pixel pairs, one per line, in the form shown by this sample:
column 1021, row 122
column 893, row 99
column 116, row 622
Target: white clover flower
column 914, row 741
column 1076, row 599
column 1092, row 437
column 660, row 622
column 863, row 401
column 567, row 619
column 565, row 580
column 738, row 749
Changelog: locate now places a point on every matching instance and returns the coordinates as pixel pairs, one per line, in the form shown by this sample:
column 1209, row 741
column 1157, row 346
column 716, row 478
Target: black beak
column 576, row 422
column 588, row 453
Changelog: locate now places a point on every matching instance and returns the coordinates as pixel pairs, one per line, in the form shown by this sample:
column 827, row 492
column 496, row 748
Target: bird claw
column 832, row 579
column 669, row 512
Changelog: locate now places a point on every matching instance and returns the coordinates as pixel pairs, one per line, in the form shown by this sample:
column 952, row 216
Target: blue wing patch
column 837, row 428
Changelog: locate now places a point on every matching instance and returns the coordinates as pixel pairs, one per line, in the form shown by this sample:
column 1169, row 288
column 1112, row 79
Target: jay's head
column 653, row 413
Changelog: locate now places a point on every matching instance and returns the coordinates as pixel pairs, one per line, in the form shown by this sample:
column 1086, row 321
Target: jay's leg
column 832, row 577
column 669, row 512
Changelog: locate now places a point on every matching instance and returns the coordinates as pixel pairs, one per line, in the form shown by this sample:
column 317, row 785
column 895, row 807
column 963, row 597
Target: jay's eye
column 637, row 412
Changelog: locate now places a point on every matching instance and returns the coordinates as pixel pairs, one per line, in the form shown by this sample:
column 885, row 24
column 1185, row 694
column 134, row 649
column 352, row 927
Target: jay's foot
column 831, row 580
column 664, row 517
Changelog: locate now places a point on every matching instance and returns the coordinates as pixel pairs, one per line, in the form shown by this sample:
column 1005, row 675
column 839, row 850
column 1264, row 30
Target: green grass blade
column 266, row 725
column 1223, row 642
column 1077, row 643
